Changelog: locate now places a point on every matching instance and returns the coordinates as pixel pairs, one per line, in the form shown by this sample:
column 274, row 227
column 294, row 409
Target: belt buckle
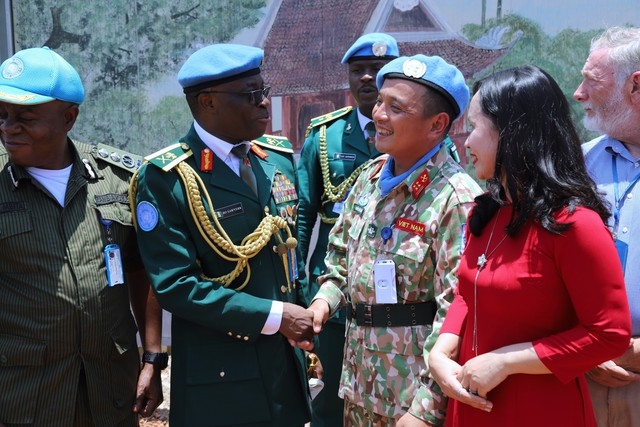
column 368, row 321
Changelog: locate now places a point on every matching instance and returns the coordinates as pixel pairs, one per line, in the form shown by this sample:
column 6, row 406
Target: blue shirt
column 598, row 156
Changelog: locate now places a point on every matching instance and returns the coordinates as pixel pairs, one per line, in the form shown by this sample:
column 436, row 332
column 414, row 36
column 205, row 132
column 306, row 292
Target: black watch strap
column 161, row 360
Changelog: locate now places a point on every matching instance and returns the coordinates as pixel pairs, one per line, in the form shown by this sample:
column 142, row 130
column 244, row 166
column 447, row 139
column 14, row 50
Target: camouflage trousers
column 358, row 416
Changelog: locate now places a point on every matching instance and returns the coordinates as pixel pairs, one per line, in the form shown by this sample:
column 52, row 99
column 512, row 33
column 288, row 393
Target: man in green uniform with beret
column 336, row 147
column 216, row 214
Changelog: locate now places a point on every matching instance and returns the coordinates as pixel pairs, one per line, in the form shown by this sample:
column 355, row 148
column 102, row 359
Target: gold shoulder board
column 317, row 121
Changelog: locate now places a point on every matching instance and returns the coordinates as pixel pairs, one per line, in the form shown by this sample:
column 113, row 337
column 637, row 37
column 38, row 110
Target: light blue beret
column 38, row 75
column 431, row 71
column 372, row 46
column 217, row 64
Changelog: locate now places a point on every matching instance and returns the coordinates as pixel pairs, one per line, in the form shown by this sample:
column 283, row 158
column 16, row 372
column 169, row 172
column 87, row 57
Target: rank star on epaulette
column 117, row 157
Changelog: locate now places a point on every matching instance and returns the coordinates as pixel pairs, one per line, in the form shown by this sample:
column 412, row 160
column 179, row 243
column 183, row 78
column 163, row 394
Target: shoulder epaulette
column 117, row 157
column 317, row 121
column 169, row 157
column 376, row 165
column 278, row 143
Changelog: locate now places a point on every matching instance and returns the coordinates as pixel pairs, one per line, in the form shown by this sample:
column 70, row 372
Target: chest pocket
column 15, row 223
column 117, row 212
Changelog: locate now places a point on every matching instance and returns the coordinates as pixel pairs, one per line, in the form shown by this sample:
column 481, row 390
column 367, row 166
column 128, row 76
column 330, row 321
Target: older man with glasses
column 216, row 213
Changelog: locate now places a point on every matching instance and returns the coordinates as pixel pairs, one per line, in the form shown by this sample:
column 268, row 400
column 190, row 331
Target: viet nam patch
column 147, row 216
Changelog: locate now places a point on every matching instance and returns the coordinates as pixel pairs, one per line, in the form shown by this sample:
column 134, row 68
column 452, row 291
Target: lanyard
column 619, row 200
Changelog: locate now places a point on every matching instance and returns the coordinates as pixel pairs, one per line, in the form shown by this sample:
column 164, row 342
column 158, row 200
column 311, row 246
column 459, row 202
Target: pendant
column 482, row 260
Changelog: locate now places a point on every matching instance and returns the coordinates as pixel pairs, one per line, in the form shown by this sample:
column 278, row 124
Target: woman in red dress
column 541, row 295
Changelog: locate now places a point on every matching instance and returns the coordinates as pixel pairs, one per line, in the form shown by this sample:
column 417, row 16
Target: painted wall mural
column 129, row 52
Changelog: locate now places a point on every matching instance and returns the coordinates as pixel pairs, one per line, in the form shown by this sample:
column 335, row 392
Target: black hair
column 434, row 103
column 539, row 159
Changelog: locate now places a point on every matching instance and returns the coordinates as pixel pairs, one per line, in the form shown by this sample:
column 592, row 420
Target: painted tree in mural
column 128, row 53
column 561, row 55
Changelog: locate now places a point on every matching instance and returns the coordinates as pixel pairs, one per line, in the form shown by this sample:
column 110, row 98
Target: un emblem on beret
column 414, row 68
column 13, row 69
column 379, row 49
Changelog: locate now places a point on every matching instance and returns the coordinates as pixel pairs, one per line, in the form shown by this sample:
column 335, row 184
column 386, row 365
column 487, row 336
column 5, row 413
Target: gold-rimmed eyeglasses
column 255, row 96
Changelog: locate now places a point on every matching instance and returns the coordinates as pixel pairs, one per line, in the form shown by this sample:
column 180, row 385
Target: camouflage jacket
column 383, row 369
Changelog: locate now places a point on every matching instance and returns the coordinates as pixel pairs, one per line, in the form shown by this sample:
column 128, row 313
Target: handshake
column 301, row 324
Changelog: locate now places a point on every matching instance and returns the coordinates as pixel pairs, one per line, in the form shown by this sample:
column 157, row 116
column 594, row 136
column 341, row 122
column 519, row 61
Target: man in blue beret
column 393, row 253
column 216, row 214
column 336, row 147
column 70, row 268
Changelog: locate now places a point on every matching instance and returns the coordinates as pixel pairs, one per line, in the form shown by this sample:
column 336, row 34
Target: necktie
column 370, row 130
column 247, row 175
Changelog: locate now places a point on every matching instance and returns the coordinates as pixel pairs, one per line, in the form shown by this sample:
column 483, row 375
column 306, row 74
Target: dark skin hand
column 297, row 323
column 148, row 316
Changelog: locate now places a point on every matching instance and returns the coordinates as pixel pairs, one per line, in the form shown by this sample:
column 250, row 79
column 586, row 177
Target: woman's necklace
column 482, row 261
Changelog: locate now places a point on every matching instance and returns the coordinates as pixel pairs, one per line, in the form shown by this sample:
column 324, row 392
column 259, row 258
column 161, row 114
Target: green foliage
column 562, row 56
column 122, row 49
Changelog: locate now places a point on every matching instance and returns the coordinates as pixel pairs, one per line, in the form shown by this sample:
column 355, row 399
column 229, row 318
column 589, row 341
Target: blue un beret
column 217, row 64
column 372, row 46
column 38, row 75
column 431, row 71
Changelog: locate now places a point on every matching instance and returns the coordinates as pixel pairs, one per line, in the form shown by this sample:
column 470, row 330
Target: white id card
column 384, row 278
column 113, row 261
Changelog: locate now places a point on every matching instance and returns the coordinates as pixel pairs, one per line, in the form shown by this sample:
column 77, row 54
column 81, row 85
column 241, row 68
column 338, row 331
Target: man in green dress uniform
column 216, row 214
column 336, row 147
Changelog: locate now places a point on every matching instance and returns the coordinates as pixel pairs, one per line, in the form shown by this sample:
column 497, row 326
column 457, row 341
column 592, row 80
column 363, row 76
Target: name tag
column 411, row 226
column 229, row 211
column 111, row 198
column 344, row 156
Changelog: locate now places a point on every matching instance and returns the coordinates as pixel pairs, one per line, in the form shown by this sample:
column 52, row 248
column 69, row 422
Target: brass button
column 283, row 288
column 221, row 374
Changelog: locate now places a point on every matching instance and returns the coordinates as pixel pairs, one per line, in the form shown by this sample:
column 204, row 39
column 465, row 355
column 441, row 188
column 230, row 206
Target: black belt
column 390, row 315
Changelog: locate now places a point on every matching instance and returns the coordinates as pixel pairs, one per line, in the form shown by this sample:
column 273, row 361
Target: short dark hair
column 434, row 103
column 539, row 158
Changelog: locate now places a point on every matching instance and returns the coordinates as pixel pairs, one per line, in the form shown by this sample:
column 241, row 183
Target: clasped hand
column 468, row 383
column 300, row 324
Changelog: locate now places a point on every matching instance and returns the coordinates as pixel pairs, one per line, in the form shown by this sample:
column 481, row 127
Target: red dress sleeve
column 588, row 263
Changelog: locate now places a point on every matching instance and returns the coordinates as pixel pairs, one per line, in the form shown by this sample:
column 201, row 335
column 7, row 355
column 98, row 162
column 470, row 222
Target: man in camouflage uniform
column 394, row 251
column 337, row 145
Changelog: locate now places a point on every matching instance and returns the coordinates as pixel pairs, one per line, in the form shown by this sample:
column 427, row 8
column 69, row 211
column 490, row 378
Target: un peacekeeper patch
column 111, row 198
column 147, row 216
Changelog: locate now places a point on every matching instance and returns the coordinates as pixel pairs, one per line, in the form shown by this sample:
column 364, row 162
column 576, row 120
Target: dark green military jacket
column 57, row 314
column 224, row 371
column 346, row 150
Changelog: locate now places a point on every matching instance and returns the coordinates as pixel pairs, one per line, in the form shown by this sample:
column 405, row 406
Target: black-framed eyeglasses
column 255, row 96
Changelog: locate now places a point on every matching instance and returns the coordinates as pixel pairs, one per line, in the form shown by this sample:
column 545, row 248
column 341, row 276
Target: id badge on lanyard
column 112, row 258
column 621, row 246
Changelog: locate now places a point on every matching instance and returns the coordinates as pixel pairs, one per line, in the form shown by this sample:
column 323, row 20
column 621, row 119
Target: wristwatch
column 161, row 360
